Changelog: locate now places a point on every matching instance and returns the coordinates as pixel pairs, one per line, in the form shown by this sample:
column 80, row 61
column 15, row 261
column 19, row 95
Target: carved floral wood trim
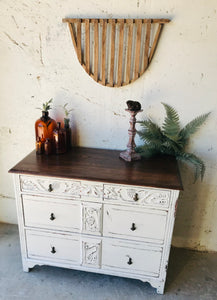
column 30, row 184
column 91, row 190
column 115, row 52
column 145, row 196
column 92, row 219
column 91, row 253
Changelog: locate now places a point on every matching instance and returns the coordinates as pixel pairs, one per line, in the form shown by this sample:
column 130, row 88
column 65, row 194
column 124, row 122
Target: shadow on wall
column 192, row 207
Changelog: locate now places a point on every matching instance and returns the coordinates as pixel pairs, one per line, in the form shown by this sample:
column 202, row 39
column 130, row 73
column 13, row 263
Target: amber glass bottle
column 59, row 137
column 68, row 133
column 44, row 127
column 47, row 147
column 38, row 145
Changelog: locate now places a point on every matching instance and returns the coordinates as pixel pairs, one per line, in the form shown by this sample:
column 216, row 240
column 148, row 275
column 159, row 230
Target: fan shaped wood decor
column 115, row 52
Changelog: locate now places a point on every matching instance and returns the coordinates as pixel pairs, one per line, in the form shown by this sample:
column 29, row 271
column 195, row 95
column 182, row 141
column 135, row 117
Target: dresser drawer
column 53, row 247
column 131, row 257
column 49, row 186
column 49, row 213
column 149, row 197
column 134, row 223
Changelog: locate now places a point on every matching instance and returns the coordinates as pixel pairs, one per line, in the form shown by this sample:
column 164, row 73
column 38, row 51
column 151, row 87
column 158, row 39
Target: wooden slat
column 147, row 42
column 160, row 26
column 159, row 21
column 138, row 45
column 73, row 36
column 120, row 52
column 87, row 45
column 104, row 29
column 96, row 49
column 129, row 50
column 112, row 61
column 79, row 40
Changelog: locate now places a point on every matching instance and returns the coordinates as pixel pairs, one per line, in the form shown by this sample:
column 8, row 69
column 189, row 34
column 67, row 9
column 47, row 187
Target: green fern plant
column 171, row 139
column 46, row 106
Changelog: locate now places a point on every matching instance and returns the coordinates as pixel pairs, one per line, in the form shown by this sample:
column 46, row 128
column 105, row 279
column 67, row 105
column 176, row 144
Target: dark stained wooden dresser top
column 104, row 166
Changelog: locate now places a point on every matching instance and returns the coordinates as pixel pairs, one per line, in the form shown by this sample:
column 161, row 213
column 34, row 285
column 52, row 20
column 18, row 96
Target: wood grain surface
column 104, row 166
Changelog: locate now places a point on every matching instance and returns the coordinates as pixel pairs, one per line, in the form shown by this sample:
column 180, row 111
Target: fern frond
column 192, row 127
column 172, row 146
column 171, row 126
column 170, row 139
column 196, row 161
column 150, row 131
column 147, row 151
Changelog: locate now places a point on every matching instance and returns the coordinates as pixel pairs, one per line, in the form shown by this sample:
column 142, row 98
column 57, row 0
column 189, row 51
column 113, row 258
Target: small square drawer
column 132, row 258
column 135, row 223
column 49, row 186
column 149, row 197
column 53, row 247
column 49, row 213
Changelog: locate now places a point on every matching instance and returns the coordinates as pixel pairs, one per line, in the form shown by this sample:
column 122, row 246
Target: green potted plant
column 171, row 139
column 67, row 112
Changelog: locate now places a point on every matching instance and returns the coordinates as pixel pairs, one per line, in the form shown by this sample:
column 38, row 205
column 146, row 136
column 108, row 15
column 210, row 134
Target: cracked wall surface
column 38, row 62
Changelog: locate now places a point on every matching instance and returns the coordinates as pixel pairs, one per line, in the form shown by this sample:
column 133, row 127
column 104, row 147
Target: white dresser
column 96, row 224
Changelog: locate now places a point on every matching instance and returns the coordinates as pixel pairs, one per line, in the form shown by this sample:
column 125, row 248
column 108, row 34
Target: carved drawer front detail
column 131, row 257
column 53, row 247
column 91, row 190
column 137, row 195
column 139, row 224
column 51, row 213
column 50, row 186
column 92, row 218
column 91, row 253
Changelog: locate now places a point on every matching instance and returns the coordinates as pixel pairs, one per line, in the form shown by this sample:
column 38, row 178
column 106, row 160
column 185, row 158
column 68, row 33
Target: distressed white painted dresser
column 91, row 211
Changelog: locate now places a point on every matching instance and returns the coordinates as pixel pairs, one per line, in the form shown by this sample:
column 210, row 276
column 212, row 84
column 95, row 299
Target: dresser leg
column 157, row 284
column 160, row 289
column 25, row 267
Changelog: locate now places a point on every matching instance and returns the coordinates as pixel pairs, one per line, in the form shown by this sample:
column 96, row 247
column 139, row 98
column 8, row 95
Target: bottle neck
column 45, row 116
column 66, row 123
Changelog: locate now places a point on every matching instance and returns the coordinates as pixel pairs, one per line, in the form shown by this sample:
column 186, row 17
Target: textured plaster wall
column 38, row 62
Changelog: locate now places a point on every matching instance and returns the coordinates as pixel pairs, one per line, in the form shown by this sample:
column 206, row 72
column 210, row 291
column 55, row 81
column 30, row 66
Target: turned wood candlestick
column 130, row 154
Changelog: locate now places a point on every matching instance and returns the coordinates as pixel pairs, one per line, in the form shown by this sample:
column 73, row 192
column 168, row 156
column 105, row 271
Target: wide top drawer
column 49, row 185
column 137, row 195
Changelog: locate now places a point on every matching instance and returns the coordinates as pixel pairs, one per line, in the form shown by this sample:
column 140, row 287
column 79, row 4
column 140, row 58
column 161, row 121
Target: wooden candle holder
column 130, row 154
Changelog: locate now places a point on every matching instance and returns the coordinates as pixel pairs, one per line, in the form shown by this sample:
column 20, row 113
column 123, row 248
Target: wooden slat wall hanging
column 115, row 52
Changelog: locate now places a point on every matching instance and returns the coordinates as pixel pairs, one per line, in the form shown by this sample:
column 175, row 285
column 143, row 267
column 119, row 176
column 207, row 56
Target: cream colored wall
column 38, row 62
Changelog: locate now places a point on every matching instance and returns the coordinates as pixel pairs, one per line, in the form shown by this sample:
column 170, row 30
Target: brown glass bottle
column 44, row 127
column 38, row 146
column 47, row 147
column 59, row 138
column 68, row 133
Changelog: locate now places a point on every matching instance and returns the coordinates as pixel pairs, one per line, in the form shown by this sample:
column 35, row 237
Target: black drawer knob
column 50, row 188
column 130, row 262
column 133, row 227
column 136, row 197
column 52, row 217
column 53, row 250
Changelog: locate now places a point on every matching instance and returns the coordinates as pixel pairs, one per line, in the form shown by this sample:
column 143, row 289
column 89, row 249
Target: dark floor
column 191, row 275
